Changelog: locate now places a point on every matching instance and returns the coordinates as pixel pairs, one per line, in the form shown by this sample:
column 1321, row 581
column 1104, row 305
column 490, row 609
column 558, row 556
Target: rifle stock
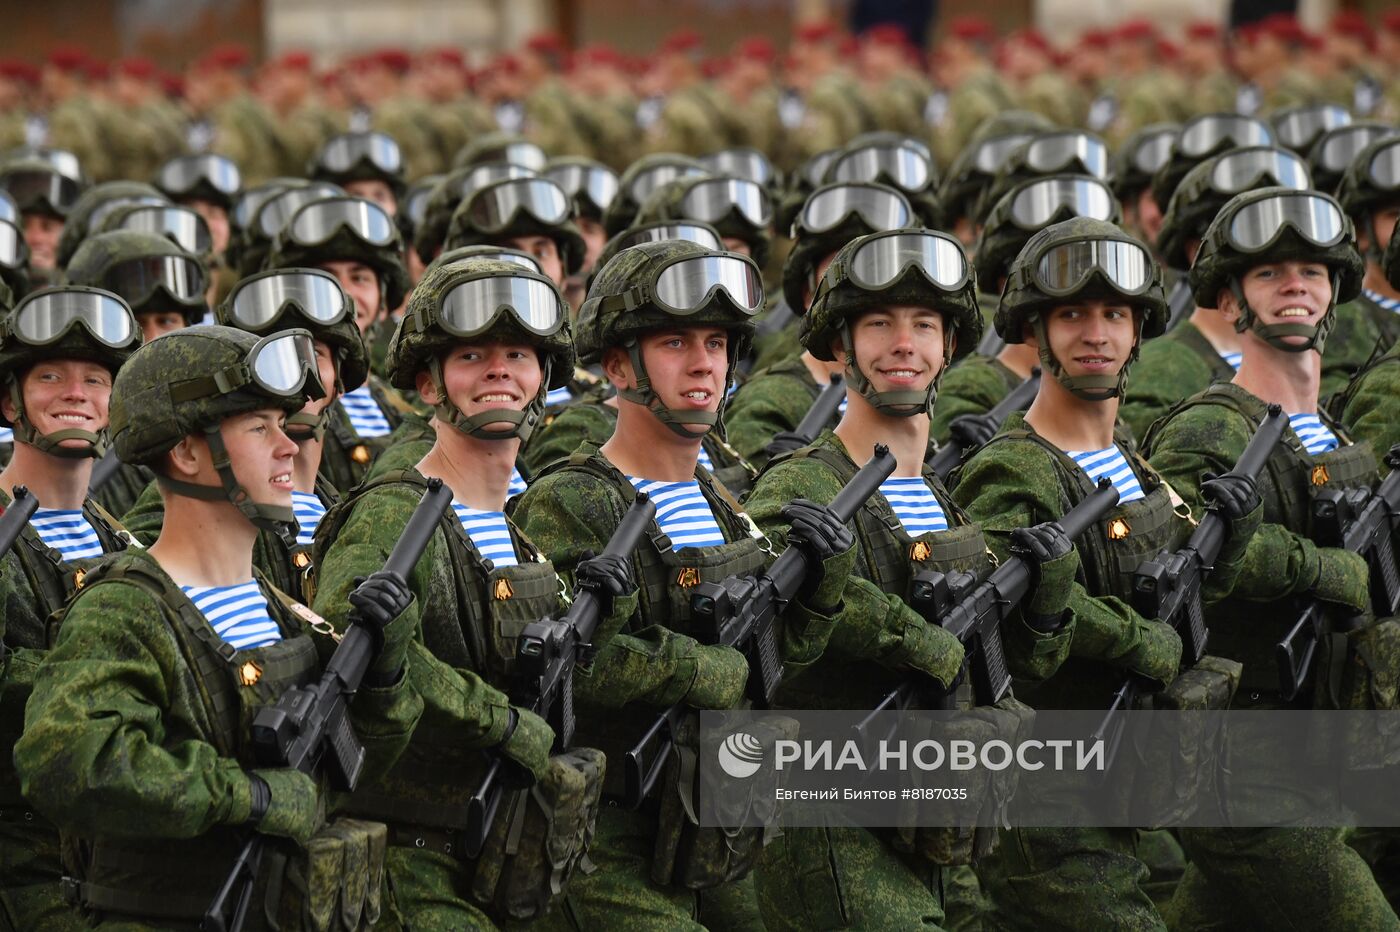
column 309, row 727
column 740, row 613
column 546, row 655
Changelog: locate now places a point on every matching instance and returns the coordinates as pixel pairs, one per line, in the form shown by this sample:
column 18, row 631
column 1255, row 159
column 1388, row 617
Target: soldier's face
column 1290, row 292
column 260, row 453
column 325, row 369
column 687, row 367
column 545, row 251
column 734, row 244
column 1148, row 215
column 1381, row 228
column 155, row 323
column 361, row 283
column 372, row 189
column 899, row 348
column 482, row 376
column 217, row 218
column 1094, row 338
column 63, row 394
column 594, row 239
column 41, row 235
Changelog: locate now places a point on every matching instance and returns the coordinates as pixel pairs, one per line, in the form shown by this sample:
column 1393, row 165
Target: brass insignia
column 1320, row 475
column 689, row 577
column 920, row 551
column 360, row 454
column 503, row 590
column 301, row 560
column 1118, row 529
column 78, row 578
column 249, row 673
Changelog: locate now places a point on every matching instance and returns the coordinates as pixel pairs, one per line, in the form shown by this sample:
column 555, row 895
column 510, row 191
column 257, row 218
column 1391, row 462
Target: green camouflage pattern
column 1357, row 192
column 1128, row 179
column 123, row 488
column 346, row 457
column 462, row 232
column 665, row 204
column 1366, row 408
column 974, row 386
column 1385, row 322
column 1172, row 367
column 486, row 148
column 443, row 199
column 363, row 169
column 770, row 401
column 963, row 181
column 1352, row 341
column 101, row 252
column 810, row 248
column 344, row 246
column 75, row 226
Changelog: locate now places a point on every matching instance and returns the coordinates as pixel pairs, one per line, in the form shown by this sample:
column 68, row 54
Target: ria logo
column 741, row 755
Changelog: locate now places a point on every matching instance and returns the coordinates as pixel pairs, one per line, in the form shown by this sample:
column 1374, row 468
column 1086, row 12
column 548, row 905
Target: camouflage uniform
column 774, row 399
column 1367, row 407
column 974, row 386
column 1174, row 366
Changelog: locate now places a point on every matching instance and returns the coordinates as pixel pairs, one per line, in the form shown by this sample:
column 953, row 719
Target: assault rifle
column 950, row 455
column 823, row 409
column 309, row 727
column 1363, row 521
column 16, row 517
column 973, row 612
column 546, row 655
column 1180, row 303
column 1168, row 586
column 739, row 612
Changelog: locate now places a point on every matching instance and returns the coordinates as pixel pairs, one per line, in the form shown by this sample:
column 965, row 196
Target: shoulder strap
column 114, row 535
column 1067, row 469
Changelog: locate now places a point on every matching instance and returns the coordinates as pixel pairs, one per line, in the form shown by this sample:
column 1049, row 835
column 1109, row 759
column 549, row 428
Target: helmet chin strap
column 1277, row 335
column 94, row 444
column 522, row 423
column 678, row 421
column 275, row 518
column 905, row 403
column 1086, row 387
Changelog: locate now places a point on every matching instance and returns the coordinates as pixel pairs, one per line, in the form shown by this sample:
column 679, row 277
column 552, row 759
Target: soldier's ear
column 1228, row 306
column 183, row 460
column 1028, row 336
column 617, row 366
column 426, row 387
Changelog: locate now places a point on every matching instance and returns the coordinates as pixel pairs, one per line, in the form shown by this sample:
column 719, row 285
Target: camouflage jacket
column 974, row 386
column 1367, row 406
column 1172, row 367
column 772, row 400
column 1353, row 339
column 347, row 457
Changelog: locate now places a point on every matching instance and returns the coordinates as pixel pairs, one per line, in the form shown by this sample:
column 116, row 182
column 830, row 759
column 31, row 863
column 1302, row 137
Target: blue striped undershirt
column 517, row 483
column 488, row 532
column 559, row 396
column 1314, row 434
column 704, row 461
column 67, row 531
column 1380, row 300
column 308, row 510
column 238, row 614
column 1233, row 360
column 1110, row 462
column 365, row 415
column 682, row 513
column 913, row 501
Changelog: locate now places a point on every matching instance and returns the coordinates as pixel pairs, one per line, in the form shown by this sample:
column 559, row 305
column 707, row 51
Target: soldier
column 668, row 321
column 1336, row 149
column 781, row 391
column 1204, row 347
column 367, row 165
column 1201, row 138
column 739, row 209
column 430, row 232
column 94, row 205
column 1137, row 160
column 1280, row 261
column 1370, row 194
column 1366, row 408
column 271, row 216
column 58, row 353
column 357, row 242
column 996, row 138
column 166, row 653
column 641, row 178
column 533, row 215
column 1087, row 294
column 592, row 186
column 895, row 309
column 1045, row 153
column 1299, row 128
column 897, row 161
column 209, row 184
column 482, row 341
column 44, row 197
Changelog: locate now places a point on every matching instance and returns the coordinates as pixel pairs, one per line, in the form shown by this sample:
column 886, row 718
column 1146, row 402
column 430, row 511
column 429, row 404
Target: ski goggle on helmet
column 185, row 174
column 319, row 221
column 45, row 317
column 1255, row 226
column 260, row 300
column 687, row 284
column 1035, row 204
column 879, row 207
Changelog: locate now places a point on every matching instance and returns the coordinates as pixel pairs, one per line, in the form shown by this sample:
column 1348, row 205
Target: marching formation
column 384, row 499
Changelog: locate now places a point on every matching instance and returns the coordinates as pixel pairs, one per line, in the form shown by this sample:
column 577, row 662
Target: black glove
column 607, row 576
column 822, row 536
column 380, row 598
column 972, row 430
column 785, row 442
column 1236, row 496
column 1055, row 563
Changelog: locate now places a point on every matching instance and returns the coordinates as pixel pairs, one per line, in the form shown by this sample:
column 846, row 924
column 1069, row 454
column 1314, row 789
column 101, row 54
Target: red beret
column 756, row 48
column 546, row 43
column 886, row 34
column 1095, row 38
column 682, row 41
column 229, row 57
column 294, row 60
column 1134, row 30
column 396, row 60
column 815, row 30
column 68, row 58
column 1202, row 30
column 971, row 29
column 140, row 68
column 1391, row 21
column 17, row 70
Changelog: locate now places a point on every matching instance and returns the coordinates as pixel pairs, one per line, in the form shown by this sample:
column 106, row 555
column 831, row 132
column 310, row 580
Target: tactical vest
column 171, row 881
column 51, row 578
column 289, row 566
column 890, row 557
column 347, row 456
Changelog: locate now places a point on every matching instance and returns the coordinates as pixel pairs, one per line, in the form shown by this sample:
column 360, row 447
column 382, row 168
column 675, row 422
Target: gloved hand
column 1235, row 496
column 831, row 546
column 607, row 576
column 785, row 441
column 1344, row 579
column 1157, row 655
column 293, row 806
column 377, row 600
column 525, row 748
column 930, row 650
column 972, row 430
column 720, row 676
column 1054, row 562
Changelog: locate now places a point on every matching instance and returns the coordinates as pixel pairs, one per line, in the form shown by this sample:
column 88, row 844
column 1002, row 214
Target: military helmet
column 692, row 231
column 308, row 298
column 1207, row 187
column 73, row 322
column 360, row 156
column 501, row 147
column 1336, row 149
column 344, row 229
column 809, row 176
column 831, row 217
column 919, row 268
column 736, row 207
column 447, row 195
column 1201, row 137
column 183, row 226
column 894, row 160
column 591, row 184
column 1278, row 225
column 204, row 176
column 469, row 298
column 1029, row 207
column 518, row 207
column 1371, row 182
column 93, row 207
column 272, row 214
column 14, row 262
column 1139, row 157
column 146, row 270
column 499, row 253
column 1073, row 261
column 1391, row 262
column 36, row 186
column 188, row 381
column 1299, row 127
column 243, row 236
column 1055, row 152
column 993, row 140
column 641, row 178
